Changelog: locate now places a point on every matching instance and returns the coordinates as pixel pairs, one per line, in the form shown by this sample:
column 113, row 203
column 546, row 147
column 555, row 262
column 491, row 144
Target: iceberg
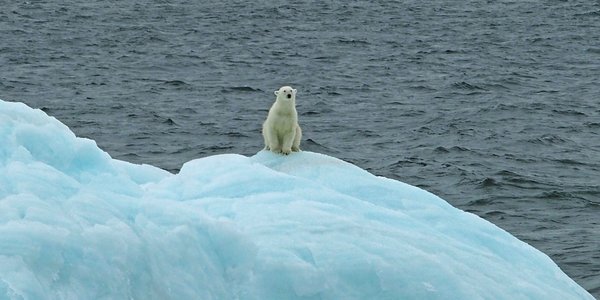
column 77, row 224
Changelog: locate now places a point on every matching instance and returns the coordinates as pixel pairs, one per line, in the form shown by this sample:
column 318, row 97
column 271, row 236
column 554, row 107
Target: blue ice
column 77, row 224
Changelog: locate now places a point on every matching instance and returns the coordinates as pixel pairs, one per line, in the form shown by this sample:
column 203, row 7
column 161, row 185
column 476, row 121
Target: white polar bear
column 281, row 130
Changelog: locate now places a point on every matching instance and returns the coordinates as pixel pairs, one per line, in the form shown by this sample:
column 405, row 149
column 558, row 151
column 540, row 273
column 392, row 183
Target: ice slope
column 76, row 224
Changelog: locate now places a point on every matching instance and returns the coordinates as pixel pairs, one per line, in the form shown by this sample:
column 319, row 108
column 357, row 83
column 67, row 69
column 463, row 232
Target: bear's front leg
column 297, row 137
column 267, row 146
column 266, row 135
column 288, row 140
column 273, row 141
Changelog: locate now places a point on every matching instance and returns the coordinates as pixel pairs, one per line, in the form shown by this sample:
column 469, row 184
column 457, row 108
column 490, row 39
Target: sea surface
column 492, row 105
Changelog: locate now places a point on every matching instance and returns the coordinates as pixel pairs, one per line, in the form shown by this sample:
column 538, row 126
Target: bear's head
column 286, row 93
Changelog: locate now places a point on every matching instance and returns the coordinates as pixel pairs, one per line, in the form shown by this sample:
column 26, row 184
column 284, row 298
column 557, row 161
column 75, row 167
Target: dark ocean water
column 492, row 105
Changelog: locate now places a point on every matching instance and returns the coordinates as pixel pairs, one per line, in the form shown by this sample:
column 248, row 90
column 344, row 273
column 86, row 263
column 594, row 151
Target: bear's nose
column 289, row 96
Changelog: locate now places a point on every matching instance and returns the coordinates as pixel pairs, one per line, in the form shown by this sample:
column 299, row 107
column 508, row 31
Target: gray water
column 492, row 105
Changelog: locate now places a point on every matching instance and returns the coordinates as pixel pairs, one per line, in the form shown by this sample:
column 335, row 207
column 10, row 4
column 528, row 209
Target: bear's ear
column 276, row 93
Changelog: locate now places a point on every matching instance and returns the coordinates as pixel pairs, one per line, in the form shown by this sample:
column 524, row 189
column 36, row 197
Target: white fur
column 281, row 130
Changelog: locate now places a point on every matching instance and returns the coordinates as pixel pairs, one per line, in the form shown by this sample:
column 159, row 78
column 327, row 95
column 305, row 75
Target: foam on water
column 77, row 224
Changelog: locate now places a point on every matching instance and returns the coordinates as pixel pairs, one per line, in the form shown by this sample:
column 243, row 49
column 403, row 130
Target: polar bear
column 281, row 130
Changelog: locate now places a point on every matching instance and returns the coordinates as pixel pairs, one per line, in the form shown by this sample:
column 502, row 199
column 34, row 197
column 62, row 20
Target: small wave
column 367, row 133
column 4, row 86
column 554, row 194
column 442, row 149
column 595, row 13
column 567, row 161
column 546, row 92
column 234, row 89
column 235, row 134
column 310, row 113
column 202, row 123
column 523, row 75
column 169, row 121
column 548, row 139
column 353, row 41
column 505, row 107
column 312, row 145
column 494, row 213
column 463, row 85
column 452, row 51
column 517, row 180
column 495, row 86
column 323, row 107
column 488, row 182
column 480, row 202
column 423, row 88
column 569, row 112
column 408, row 162
column 175, row 83
column 593, row 200
column 219, row 147
column 130, row 155
column 326, row 58
column 593, row 50
column 186, row 110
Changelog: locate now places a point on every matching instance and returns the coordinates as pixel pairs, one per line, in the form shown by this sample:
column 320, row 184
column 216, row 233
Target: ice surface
column 76, row 224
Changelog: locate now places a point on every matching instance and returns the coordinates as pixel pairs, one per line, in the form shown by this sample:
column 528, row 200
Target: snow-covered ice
column 77, row 224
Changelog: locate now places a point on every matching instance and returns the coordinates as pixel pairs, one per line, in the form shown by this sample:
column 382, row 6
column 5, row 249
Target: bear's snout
column 289, row 96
